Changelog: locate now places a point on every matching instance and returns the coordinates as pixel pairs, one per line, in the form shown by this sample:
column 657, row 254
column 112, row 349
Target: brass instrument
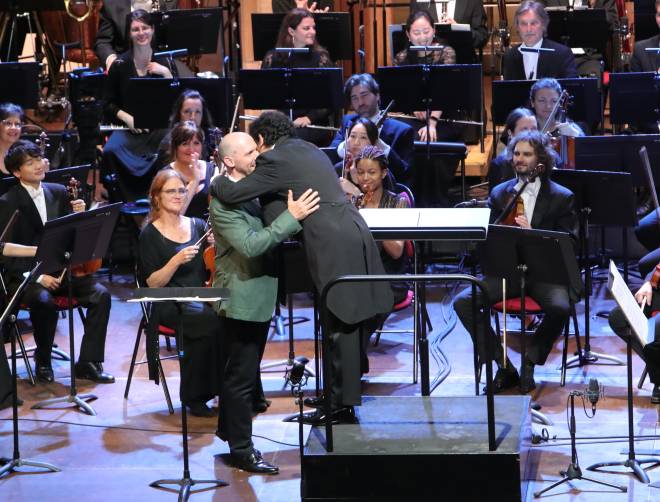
column 311, row 126
column 79, row 9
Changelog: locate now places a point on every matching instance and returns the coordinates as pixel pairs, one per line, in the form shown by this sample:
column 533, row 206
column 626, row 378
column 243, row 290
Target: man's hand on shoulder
column 305, row 205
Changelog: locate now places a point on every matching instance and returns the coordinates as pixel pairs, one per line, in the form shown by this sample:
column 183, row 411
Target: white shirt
column 529, row 196
column 142, row 4
column 449, row 10
column 39, row 199
column 531, row 60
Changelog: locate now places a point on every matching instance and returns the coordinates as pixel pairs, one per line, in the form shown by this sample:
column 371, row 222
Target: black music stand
column 518, row 254
column 333, row 31
column 634, row 98
column 178, row 296
column 150, row 100
column 194, row 29
column 579, row 27
column 68, row 241
column 19, row 83
column 9, row 315
column 459, row 40
column 645, row 25
column 297, row 88
column 60, row 176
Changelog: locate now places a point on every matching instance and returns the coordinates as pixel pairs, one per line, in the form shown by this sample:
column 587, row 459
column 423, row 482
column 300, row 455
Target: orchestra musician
column 396, row 138
column 531, row 21
column 38, row 202
column 337, row 242
column 11, row 122
column 650, row 353
column 547, row 206
column 170, row 257
column 298, row 30
column 131, row 154
column 647, row 61
column 469, row 12
column 419, row 29
column 311, row 5
column 543, row 96
column 186, row 150
column 242, row 265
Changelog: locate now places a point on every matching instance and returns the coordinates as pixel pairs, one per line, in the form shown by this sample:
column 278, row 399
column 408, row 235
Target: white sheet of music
column 426, row 217
column 639, row 324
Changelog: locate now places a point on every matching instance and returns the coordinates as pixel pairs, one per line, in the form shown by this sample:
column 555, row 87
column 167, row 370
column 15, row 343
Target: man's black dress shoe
column 261, row 406
column 44, row 372
column 89, row 370
column 527, row 382
column 6, row 402
column 655, row 395
column 254, row 462
column 505, row 378
column 314, row 402
column 345, row 415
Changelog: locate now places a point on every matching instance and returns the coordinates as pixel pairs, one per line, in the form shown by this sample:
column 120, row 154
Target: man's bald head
column 238, row 152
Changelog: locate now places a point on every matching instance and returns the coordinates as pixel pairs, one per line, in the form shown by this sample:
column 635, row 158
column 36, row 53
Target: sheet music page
column 391, row 217
column 626, row 301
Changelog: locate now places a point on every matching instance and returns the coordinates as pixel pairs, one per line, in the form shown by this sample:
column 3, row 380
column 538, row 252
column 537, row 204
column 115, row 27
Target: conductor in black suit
column 112, row 35
column 459, row 11
column 37, row 203
column 641, row 59
column 531, row 21
column 336, row 240
column 547, row 206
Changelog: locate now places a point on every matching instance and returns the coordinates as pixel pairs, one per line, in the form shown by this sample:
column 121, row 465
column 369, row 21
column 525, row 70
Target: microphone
column 297, row 371
column 472, row 203
column 593, row 393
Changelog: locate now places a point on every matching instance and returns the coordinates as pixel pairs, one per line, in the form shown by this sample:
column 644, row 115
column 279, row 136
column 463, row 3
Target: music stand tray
column 180, row 296
column 19, row 83
column 634, row 98
column 579, row 27
column 59, row 176
column 72, row 240
column 196, row 30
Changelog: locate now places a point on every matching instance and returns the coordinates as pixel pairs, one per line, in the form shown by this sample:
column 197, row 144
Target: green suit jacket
column 241, row 241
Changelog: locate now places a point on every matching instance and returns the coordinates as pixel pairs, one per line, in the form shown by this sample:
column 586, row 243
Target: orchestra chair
column 514, row 307
column 164, row 331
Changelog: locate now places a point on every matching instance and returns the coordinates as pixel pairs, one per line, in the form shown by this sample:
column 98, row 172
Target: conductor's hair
column 271, row 126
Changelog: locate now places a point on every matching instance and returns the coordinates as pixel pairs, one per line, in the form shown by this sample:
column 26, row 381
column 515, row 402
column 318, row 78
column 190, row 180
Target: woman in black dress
column 170, row 257
column 298, row 30
column 131, row 154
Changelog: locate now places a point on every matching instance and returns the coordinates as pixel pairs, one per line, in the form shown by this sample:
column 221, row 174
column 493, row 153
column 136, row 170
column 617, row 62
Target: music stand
column 518, row 254
column 296, row 88
column 645, row 25
column 19, row 83
column 179, row 296
column 60, row 176
column 634, row 98
column 333, row 31
column 68, row 241
column 193, row 29
column 579, row 27
column 150, row 100
column 460, row 40
column 9, row 314
column 594, row 192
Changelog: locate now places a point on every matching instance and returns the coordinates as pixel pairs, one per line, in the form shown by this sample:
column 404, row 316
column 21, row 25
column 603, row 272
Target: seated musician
column 647, row 61
column 543, row 96
column 650, row 354
column 38, row 202
column 111, row 37
column 396, row 138
column 310, row 5
column 298, row 30
column 170, row 257
column 419, row 29
column 547, row 206
column 131, row 155
column 189, row 106
column 469, row 12
column 186, row 150
column 531, row 21
column 11, row 121
column 361, row 132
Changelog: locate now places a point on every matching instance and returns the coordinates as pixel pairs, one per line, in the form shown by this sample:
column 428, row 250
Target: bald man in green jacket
column 242, row 264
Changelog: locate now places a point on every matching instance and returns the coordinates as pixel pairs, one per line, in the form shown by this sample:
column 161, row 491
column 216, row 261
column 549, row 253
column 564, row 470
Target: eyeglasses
column 174, row 191
column 9, row 123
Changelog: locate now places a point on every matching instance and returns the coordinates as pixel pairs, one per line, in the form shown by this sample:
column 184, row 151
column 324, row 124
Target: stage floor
column 115, row 455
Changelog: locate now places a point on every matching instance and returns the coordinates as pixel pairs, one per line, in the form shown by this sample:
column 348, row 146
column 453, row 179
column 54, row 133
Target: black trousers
column 43, row 314
column 649, row 354
column 553, row 299
column 243, row 343
column 346, row 341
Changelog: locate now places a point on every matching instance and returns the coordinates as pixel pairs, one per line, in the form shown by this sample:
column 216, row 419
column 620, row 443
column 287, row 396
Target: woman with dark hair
column 131, row 155
column 186, row 151
column 298, row 30
column 420, row 31
column 544, row 96
column 11, row 122
column 170, row 257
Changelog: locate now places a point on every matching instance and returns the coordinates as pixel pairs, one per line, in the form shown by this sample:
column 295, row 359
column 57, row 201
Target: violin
column 91, row 266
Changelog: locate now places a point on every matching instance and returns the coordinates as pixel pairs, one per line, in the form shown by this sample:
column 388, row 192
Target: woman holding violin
column 298, row 31
column 549, row 103
column 170, row 257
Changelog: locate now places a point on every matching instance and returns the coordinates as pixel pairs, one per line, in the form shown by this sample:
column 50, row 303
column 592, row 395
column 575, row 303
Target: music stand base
column 185, row 485
column 285, row 362
column 78, row 400
column 632, row 463
column 14, row 464
column 574, row 472
column 541, row 418
column 589, row 357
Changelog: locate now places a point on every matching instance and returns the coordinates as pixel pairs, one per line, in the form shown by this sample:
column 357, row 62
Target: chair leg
column 135, row 351
column 166, row 390
column 640, row 384
column 24, row 354
column 168, row 345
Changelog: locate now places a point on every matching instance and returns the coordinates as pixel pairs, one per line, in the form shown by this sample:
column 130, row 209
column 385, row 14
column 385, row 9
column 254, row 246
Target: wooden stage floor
column 115, row 455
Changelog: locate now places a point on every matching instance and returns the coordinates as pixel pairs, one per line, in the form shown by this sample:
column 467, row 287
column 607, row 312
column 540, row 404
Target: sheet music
column 639, row 324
